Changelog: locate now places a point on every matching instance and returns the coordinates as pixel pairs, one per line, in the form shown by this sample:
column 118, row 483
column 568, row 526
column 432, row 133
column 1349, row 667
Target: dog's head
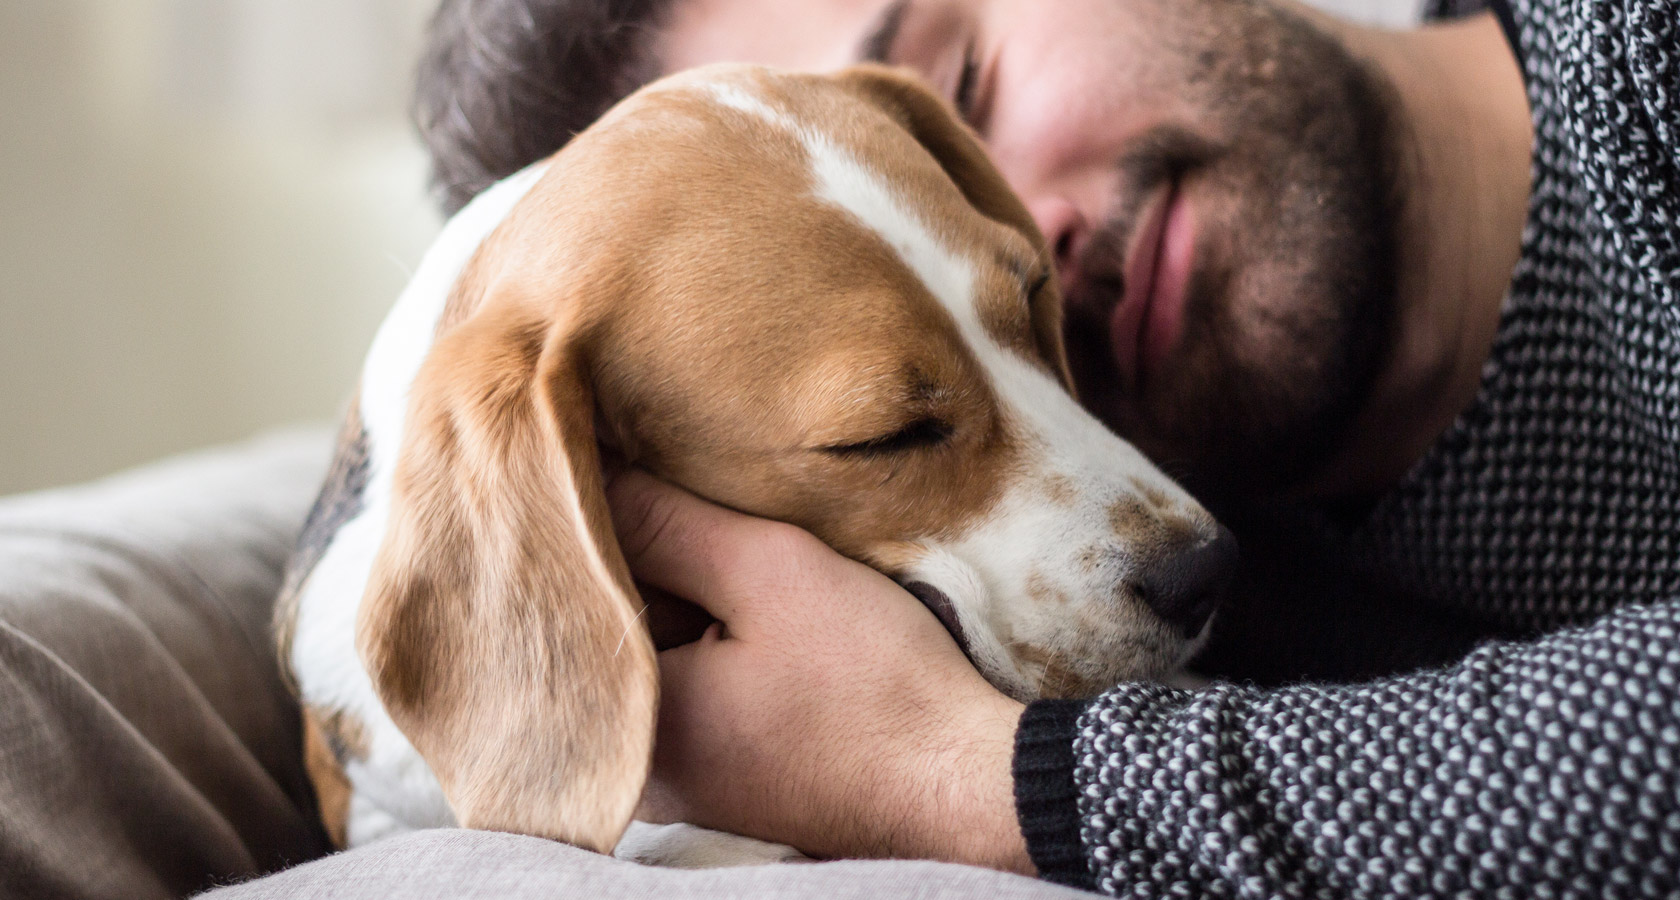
column 809, row 298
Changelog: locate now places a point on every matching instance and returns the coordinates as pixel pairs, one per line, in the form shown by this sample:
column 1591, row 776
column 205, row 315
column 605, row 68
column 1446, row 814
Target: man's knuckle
column 784, row 541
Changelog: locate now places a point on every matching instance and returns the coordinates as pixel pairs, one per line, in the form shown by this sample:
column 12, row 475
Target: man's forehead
column 811, row 35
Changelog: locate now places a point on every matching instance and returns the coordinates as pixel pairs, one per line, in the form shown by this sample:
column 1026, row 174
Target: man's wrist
column 977, row 811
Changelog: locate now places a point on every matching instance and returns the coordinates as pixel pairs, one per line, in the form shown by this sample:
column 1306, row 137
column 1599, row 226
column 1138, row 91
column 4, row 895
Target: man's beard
column 1289, row 313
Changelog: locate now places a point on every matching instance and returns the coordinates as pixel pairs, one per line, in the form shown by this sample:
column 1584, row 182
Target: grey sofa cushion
column 147, row 745
column 148, row 748
column 479, row 865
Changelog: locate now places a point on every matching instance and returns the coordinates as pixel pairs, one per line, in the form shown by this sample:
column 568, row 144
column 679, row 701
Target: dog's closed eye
column 921, row 434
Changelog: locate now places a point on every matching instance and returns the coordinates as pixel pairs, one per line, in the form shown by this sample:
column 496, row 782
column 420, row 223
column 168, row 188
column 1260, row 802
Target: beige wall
column 205, row 208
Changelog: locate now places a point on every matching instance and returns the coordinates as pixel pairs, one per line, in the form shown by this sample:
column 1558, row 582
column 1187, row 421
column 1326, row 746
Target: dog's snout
column 1184, row 587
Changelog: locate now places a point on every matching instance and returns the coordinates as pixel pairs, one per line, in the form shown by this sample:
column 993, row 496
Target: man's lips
column 1146, row 322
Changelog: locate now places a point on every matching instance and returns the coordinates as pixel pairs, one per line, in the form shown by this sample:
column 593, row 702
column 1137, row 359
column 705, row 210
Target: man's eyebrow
column 877, row 43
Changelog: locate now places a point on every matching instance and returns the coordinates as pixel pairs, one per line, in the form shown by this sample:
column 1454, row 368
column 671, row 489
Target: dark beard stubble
column 1290, row 311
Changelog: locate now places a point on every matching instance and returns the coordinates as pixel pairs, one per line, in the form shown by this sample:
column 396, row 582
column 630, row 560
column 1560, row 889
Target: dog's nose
column 1184, row 587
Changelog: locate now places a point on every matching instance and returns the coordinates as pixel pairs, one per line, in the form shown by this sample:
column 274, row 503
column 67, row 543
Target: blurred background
column 206, row 206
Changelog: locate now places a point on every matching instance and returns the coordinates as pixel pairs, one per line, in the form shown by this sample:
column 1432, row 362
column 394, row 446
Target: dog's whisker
column 1044, row 674
column 626, row 635
column 402, row 265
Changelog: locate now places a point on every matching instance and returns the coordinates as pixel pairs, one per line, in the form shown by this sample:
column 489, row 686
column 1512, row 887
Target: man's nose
column 1064, row 229
column 1184, row 586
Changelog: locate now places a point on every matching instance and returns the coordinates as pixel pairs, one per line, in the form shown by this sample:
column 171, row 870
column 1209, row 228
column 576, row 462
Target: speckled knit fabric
column 1556, row 498
column 1545, row 768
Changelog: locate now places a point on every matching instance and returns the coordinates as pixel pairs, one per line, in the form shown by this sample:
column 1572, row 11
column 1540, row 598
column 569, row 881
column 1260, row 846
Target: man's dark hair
column 504, row 83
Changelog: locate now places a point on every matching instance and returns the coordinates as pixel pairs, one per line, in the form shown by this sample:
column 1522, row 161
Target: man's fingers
column 680, row 543
column 668, row 537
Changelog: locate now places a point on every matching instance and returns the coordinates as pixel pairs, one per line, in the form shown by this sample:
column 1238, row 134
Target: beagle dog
column 809, row 298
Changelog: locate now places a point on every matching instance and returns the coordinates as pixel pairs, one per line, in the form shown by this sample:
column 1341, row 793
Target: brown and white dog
column 810, row 298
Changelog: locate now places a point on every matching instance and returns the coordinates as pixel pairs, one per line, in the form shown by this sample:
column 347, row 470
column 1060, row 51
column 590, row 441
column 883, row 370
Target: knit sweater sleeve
column 1548, row 768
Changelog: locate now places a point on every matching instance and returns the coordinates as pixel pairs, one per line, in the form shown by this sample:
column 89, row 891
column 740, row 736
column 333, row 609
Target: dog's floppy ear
column 932, row 122
column 500, row 622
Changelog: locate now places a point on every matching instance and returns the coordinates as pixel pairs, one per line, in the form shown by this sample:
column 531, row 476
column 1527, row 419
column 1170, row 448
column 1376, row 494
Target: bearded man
column 1410, row 320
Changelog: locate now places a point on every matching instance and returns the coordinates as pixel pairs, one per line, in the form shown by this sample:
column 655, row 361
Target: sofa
column 149, row 747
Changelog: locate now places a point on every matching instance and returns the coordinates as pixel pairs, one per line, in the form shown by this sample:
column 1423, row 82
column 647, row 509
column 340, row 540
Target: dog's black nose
column 1185, row 586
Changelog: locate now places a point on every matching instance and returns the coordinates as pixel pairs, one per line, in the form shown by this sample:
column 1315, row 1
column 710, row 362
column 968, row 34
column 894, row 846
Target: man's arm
column 834, row 714
column 1546, row 768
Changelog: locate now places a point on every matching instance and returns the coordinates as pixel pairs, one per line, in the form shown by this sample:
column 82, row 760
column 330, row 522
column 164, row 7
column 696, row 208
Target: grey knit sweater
column 1544, row 762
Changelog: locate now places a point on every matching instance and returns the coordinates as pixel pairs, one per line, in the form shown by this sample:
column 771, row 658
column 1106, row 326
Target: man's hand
column 827, row 708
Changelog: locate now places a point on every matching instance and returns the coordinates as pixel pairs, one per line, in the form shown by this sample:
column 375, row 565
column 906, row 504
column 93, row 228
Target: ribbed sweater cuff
column 1046, row 800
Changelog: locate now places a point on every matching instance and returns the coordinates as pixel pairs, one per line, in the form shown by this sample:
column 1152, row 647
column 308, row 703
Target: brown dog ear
column 500, row 623
column 932, row 122
column 934, row 125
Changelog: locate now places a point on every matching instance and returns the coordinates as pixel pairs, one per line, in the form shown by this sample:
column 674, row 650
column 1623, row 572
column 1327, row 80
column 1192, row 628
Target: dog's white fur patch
column 683, row 846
